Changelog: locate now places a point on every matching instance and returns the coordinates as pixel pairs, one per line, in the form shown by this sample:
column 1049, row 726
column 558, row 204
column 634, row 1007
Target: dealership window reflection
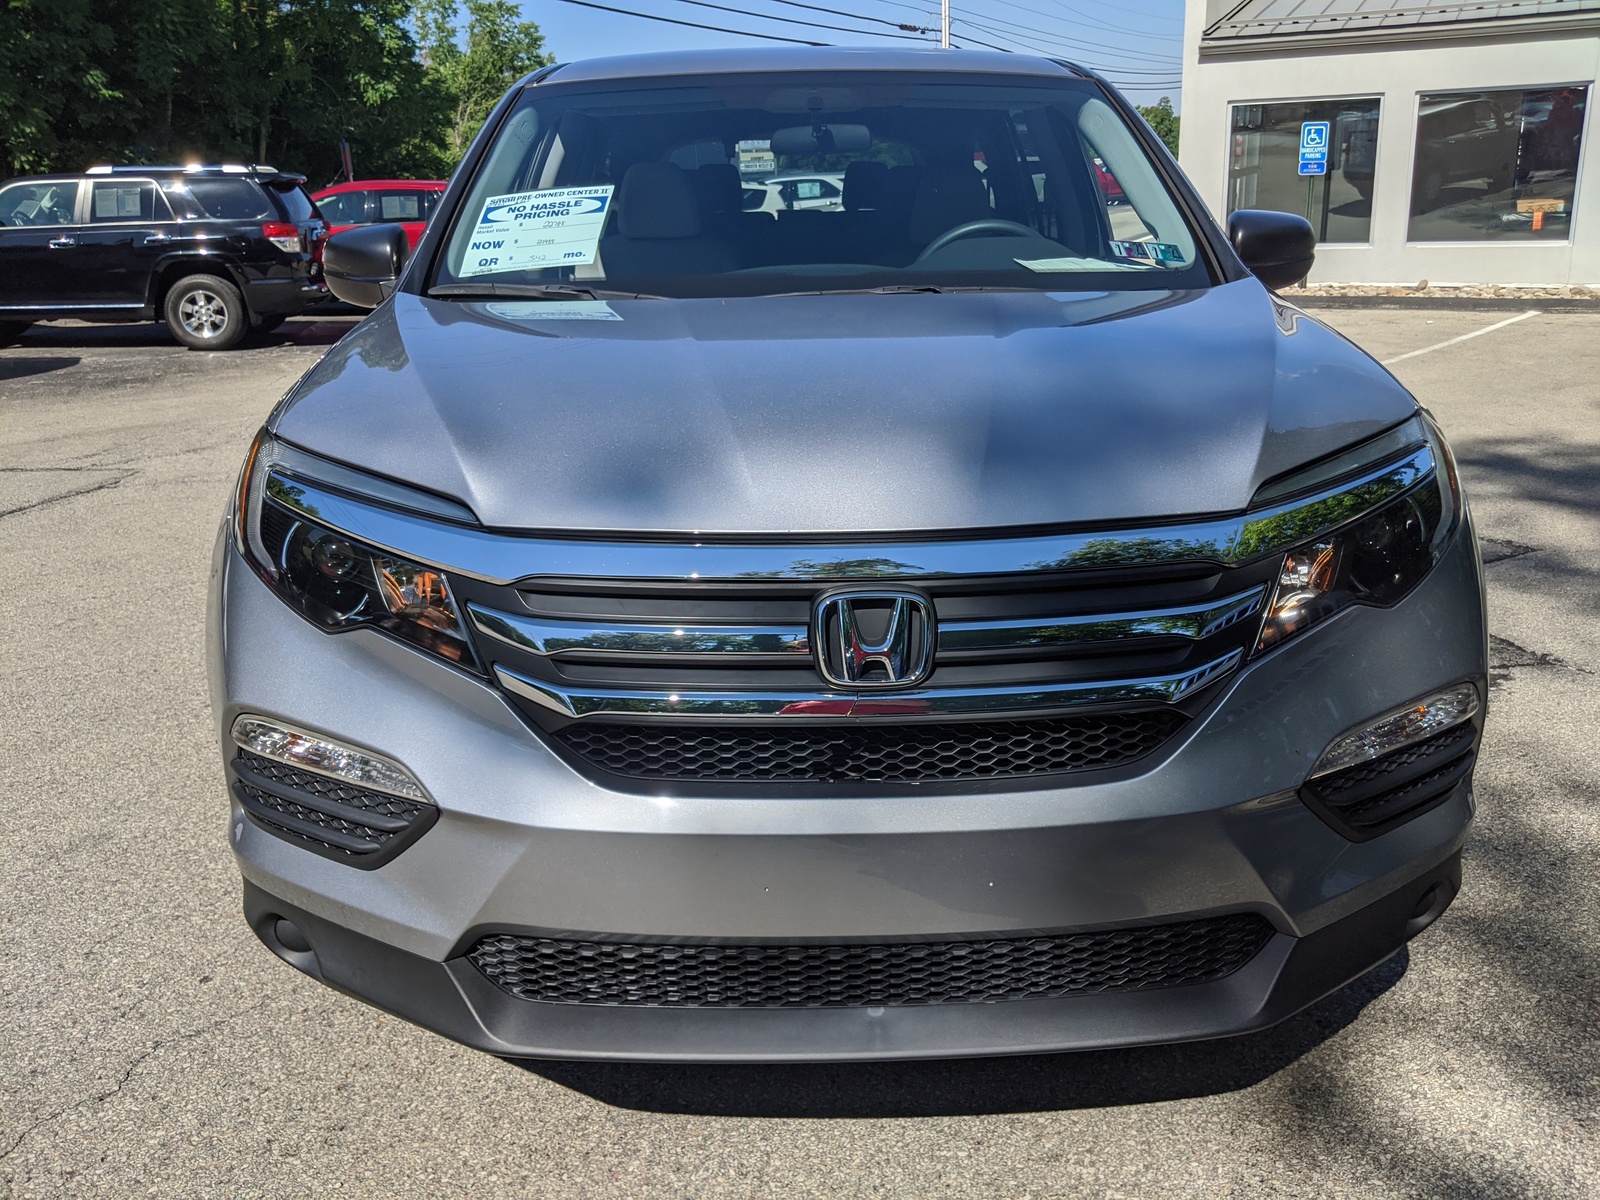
column 1496, row 165
column 1264, row 164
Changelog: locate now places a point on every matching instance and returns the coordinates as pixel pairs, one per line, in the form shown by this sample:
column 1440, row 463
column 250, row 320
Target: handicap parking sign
column 1314, row 147
column 1313, row 136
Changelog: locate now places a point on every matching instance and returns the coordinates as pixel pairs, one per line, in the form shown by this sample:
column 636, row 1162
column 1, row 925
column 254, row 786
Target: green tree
column 499, row 49
column 279, row 81
column 1163, row 120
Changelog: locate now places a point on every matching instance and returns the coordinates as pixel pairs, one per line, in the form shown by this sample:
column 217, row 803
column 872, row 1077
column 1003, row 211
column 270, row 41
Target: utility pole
column 944, row 23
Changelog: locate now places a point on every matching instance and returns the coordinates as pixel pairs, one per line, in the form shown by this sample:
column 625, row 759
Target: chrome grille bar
column 1194, row 622
column 596, row 702
column 553, row 638
column 505, row 558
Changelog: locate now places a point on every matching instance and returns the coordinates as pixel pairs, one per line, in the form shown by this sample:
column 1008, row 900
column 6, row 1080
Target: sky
column 1137, row 44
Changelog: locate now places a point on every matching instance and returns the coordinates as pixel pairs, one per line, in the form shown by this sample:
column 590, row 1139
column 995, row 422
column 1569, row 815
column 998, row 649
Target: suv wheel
column 11, row 331
column 206, row 313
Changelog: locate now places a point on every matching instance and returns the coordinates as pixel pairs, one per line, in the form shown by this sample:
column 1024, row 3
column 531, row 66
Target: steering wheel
column 987, row 225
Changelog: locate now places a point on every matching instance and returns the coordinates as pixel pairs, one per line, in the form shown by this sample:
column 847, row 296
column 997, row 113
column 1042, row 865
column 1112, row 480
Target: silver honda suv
column 978, row 619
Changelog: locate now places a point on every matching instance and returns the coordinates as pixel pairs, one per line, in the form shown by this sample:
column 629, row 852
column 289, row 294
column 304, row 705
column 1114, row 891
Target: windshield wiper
column 533, row 291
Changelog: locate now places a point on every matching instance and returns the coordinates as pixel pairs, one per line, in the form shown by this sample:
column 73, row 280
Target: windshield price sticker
column 1162, row 254
column 559, row 227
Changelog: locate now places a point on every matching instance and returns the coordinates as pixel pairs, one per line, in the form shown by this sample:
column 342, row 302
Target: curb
column 1545, row 304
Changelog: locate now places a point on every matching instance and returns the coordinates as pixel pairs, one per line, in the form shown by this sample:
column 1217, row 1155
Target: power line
column 985, row 45
column 1051, row 34
column 1032, row 46
column 910, row 37
column 1118, row 75
column 853, row 16
column 923, row 9
column 1096, row 22
column 771, row 37
column 1040, row 37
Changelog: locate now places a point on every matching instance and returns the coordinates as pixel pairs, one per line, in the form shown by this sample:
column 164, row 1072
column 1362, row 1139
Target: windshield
column 797, row 182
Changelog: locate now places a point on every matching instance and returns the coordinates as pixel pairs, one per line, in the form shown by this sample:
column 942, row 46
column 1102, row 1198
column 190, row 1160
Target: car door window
column 29, row 204
column 344, row 208
column 400, row 206
column 232, row 200
column 125, row 201
column 292, row 200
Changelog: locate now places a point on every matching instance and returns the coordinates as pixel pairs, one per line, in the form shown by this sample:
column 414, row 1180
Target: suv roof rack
column 187, row 168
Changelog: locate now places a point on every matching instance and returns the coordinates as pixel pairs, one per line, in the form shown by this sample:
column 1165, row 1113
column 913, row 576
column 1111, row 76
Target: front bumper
column 523, row 842
column 452, row 998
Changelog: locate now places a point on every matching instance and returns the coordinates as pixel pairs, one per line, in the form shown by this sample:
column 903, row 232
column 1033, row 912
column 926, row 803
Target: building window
column 1496, row 165
column 1264, row 164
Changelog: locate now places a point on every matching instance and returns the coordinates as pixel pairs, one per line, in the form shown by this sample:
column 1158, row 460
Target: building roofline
column 1388, row 37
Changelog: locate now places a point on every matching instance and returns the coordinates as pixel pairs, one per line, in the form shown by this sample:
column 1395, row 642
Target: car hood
column 841, row 414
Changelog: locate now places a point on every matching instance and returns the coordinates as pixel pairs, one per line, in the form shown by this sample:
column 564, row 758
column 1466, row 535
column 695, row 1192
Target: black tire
column 205, row 312
column 12, row 331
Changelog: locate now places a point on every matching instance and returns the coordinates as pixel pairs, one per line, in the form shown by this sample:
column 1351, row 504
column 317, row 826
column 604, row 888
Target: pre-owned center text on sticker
column 558, row 227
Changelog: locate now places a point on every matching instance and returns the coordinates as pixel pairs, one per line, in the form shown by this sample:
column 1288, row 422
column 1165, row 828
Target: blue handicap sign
column 1314, row 147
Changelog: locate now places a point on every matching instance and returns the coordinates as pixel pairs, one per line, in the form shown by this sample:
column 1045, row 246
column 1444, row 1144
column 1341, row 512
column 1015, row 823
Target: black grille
column 858, row 976
column 337, row 818
column 873, row 753
column 1373, row 797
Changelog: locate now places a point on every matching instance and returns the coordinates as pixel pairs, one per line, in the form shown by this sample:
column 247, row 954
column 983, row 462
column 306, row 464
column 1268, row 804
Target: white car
column 822, row 192
column 762, row 197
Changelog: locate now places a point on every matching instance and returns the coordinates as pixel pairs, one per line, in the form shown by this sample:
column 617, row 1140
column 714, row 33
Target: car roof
column 803, row 58
column 359, row 184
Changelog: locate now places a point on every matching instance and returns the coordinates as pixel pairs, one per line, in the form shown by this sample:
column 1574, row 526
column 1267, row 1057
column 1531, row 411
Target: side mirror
column 1277, row 247
column 362, row 264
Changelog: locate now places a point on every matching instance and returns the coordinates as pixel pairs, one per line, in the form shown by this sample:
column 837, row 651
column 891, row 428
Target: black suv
column 215, row 252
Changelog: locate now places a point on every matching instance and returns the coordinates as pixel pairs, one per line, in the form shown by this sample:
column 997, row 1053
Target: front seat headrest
column 865, row 184
column 656, row 201
column 949, row 196
column 716, row 185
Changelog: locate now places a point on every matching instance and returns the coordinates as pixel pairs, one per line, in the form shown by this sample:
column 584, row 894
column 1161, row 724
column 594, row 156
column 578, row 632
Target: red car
column 406, row 202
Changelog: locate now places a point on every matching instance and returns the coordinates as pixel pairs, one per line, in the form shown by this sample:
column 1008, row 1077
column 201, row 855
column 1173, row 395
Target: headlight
column 1375, row 560
column 334, row 580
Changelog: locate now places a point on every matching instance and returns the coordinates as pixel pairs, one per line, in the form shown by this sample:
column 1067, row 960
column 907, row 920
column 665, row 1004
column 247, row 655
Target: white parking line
column 1532, row 312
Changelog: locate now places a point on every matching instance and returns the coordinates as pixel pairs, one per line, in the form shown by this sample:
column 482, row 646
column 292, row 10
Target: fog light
column 324, row 756
column 1415, row 722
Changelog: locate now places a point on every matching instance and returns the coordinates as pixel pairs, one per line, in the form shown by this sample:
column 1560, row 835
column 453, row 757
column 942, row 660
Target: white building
column 1458, row 145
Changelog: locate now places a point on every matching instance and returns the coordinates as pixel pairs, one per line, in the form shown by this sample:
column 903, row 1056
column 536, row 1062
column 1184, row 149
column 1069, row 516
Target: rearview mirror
column 1277, row 247
column 823, row 139
column 362, row 264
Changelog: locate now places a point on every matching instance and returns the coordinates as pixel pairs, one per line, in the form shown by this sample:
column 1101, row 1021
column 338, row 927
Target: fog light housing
column 1400, row 727
column 323, row 756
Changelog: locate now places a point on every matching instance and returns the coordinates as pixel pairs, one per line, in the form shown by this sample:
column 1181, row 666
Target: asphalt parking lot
column 153, row 1047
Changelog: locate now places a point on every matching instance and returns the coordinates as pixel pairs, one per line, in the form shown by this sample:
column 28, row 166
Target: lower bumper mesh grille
column 858, row 976
column 873, row 753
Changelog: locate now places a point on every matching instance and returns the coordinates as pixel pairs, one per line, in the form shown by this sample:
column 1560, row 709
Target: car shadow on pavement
column 75, row 335
column 974, row 1086
column 318, row 330
column 21, row 368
